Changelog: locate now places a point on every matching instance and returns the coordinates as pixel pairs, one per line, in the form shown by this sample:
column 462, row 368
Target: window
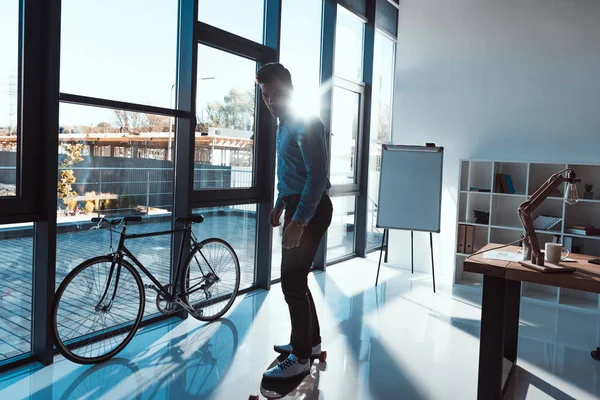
column 381, row 130
column 113, row 162
column 349, row 38
column 237, row 226
column 241, row 17
column 340, row 236
column 9, row 93
column 16, row 245
column 300, row 53
column 383, row 88
column 344, row 133
column 277, row 252
column 119, row 50
column 225, row 115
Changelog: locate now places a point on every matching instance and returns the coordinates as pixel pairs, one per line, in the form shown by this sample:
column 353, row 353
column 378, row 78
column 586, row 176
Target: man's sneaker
column 287, row 349
column 288, row 368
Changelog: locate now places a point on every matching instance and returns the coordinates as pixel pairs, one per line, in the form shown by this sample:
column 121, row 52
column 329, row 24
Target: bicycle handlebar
column 116, row 221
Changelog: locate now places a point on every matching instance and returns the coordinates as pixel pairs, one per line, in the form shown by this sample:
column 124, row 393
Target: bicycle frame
column 123, row 251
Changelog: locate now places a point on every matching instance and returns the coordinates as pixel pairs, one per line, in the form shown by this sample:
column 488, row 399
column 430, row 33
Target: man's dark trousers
column 295, row 266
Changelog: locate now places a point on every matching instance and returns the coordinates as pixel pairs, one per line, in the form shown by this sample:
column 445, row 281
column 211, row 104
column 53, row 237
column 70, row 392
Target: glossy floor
column 396, row 341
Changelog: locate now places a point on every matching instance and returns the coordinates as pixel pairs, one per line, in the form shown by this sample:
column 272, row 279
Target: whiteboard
column 410, row 188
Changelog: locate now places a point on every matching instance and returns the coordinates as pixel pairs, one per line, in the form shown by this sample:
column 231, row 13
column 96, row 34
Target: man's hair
column 272, row 72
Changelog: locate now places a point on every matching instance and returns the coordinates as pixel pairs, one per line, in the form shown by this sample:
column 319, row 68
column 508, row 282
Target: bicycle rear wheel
column 211, row 279
column 87, row 331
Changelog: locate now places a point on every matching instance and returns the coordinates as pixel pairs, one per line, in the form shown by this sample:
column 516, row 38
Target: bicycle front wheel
column 93, row 321
column 210, row 279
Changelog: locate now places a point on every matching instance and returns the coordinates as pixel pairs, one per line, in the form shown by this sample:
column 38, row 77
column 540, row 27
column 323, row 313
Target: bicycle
column 97, row 301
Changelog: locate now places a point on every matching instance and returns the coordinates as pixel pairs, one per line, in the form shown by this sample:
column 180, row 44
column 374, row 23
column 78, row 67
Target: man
column 302, row 194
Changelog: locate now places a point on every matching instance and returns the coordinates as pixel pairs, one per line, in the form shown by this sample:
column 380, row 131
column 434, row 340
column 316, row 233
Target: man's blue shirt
column 302, row 164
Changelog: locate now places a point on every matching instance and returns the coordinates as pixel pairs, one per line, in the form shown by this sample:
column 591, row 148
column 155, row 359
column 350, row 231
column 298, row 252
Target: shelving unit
column 505, row 227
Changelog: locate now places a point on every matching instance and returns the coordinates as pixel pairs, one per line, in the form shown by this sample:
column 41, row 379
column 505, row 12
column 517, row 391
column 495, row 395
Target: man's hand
column 292, row 235
column 275, row 216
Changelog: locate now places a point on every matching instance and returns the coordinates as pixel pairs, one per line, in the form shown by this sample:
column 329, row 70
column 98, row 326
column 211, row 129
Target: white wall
column 494, row 79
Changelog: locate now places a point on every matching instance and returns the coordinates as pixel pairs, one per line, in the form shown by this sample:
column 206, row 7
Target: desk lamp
column 525, row 210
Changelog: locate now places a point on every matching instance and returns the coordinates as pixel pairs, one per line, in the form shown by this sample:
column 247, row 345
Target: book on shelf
column 498, row 184
column 556, row 239
column 509, row 183
column 474, row 189
column 545, row 222
column 583, row 230
column 504, row 184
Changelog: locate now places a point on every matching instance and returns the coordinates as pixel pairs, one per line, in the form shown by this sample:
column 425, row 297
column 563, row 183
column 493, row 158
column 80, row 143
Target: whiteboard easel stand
column 385, row 241
column 416, row 167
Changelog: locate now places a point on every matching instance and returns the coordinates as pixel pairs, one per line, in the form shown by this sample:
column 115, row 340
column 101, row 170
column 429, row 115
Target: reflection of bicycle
column 99, row 305
column 193, row 364
column 100, row 380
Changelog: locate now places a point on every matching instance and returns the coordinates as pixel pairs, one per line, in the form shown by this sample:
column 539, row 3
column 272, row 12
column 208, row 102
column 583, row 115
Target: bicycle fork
column 117, row 261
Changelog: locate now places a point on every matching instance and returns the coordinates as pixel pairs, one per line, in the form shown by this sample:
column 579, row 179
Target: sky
column 126, row 50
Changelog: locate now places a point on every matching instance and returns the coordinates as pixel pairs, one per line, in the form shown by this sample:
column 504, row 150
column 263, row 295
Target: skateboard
column 300, row 386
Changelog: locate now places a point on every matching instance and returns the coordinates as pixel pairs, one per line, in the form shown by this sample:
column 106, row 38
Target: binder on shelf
column 568, row 243
column 469, row 238
column 461, row 239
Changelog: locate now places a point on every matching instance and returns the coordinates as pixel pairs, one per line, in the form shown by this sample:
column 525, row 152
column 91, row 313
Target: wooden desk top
column 586, row 278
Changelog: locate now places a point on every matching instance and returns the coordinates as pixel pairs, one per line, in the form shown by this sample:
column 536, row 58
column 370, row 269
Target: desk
column 500, row 311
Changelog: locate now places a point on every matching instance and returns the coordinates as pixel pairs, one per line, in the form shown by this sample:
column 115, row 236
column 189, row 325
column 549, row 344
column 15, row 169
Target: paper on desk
column 503, row 255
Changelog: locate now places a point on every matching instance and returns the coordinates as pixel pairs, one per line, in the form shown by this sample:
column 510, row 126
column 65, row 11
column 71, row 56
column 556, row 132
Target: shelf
column 539, row 174
column 547, row 232
column 511, row 194
column 504, row 210
column 474, row 192
column 549, row 198
column 479, row 175
column 508, row 228
column 579, row 302
column 505, row 226
column 582, row 236
column 474, row 224
column 470, row 283
column 516, row 170
column 542, row 231
column 541, row 296
column 540, row 292
column 588, row 201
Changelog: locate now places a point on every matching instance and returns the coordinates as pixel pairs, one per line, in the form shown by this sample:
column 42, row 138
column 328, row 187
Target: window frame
column 345, row 257
column 25, row 205
column 359, row 89
column 227, row 42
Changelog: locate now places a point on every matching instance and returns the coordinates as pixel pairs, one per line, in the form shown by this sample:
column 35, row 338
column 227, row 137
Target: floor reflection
column 396, row 341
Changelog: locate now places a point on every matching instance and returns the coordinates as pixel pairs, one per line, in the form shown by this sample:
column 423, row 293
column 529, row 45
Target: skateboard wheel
column 596, row 355
column 323, row 356
column 252, row 397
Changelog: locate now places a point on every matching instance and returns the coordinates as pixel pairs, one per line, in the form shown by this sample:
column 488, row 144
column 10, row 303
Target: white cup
column 554, row 252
